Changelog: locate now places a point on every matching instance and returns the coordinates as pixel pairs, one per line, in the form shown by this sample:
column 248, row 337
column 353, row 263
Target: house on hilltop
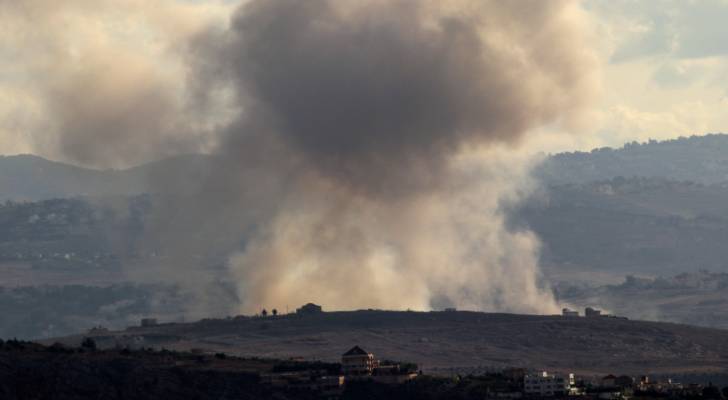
column 309, row 309
column 356, row 361
column 358, row 364
column 147, row 322
column 592, row 312
column 566, row 312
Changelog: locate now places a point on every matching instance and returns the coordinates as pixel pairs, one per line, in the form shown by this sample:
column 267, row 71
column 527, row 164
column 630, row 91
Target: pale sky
column 663, row 68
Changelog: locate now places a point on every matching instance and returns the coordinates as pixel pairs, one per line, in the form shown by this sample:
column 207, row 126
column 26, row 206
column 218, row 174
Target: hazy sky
column 662, row 66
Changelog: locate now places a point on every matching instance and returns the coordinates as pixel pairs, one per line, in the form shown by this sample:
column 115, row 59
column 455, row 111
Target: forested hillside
column 697, row 158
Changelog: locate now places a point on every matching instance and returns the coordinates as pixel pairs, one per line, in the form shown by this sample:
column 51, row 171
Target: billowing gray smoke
column 368, row 154
column 378, row 97
column 367, row 146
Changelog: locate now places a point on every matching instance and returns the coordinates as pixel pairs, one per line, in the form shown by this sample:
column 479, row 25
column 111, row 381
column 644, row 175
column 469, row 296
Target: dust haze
column 370, row 148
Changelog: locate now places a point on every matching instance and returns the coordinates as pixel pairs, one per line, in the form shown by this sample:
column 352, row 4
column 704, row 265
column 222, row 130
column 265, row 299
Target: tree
column 264, row 313
column 275, row 312
column 712, row 392
column 88, row 344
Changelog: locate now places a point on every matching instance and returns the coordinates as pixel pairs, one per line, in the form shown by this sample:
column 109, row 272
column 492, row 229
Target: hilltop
column 445, row 340
column 697, row 158
column 698, row 298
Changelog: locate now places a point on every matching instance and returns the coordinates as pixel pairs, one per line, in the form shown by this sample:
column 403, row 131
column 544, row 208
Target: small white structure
column 592, row 312
column 147, row 322
column 545, row 385
column 569, row 313
column 309, row 309
column 356, row 361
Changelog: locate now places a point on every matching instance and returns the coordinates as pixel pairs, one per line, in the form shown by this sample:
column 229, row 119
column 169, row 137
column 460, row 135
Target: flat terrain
column 443, row 340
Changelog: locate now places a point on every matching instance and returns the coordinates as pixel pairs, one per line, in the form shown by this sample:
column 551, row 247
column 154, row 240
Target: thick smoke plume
column 364, row 152
column 377, row 129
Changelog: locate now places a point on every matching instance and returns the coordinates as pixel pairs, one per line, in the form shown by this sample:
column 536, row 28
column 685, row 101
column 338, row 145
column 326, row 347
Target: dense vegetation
column 71, row 233
column 48, row 311
column 697, row 158
column 638, row 225
column 29, row 371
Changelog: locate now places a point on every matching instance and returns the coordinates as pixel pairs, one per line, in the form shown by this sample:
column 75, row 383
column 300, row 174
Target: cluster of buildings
column 589, row 312
column 545, row 385
column 356, row 365
column 360, row 365
column 328, row 386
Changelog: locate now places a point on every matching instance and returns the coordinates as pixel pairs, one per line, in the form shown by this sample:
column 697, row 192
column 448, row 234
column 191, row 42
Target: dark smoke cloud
column 379, row 95
column 361, row 127
column 365, row 144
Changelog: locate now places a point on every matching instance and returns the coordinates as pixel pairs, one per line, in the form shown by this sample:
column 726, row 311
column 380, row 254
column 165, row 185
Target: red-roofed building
column 356, row 361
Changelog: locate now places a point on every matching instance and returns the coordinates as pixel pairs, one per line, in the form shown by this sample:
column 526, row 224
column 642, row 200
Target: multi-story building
column 328, row 386
column 592, row 312
column 356, row 361
column 569, row 313
column 545, row 385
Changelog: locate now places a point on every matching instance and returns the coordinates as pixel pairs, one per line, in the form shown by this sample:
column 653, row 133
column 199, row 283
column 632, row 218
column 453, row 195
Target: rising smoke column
column 364, row 152
column 374, row 133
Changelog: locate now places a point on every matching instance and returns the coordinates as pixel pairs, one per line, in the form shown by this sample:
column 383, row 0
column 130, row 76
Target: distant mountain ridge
column 28, row 177
column 32, row 178
column 702, row 159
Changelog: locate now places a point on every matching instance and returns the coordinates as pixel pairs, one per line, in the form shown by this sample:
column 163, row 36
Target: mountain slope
column 27, row 177
column 698, row 158
column 702, row 159
column 639, row 225
column 33, row 178
column 453, row 339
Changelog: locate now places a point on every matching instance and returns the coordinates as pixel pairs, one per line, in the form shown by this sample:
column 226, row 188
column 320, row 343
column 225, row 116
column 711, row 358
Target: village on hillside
column 360, row 371
column 359, row 366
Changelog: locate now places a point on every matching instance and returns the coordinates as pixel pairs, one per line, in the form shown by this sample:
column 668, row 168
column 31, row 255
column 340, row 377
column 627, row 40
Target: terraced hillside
column 437, row 340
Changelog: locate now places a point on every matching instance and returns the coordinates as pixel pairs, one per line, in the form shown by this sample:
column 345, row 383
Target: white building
column 592, row 312
column 545, row 385
column 356, row 361
column 569, row 313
